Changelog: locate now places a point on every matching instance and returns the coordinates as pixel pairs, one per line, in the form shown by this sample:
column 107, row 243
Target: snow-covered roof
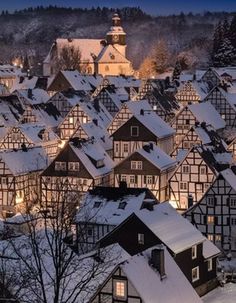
column 123, row 81
column 230, row 177
column 209, row 250
column 220, row 294
column 99, row 133
column 156, row 156
column 176, row 232
column 22, row 162
column 76, row 80
column 206, row 112
column 93, row 150
column 155, row 124
column 24, row 83
column 184, row 77
column 152, row 289
column 32, row 132
column 33, row 96
column 89, row 48
column 47, row 114
column 231, row 71
column 99, row 209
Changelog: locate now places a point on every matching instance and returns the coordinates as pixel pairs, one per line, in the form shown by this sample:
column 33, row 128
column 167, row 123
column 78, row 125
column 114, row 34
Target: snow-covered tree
column 226, row 54
column 177, row 70
column 232, row 32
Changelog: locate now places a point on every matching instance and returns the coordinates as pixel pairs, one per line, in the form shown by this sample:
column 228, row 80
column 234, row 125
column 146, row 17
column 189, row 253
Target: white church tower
column 116, row 36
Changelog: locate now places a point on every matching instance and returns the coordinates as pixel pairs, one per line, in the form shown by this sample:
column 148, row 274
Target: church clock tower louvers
column 116, row 36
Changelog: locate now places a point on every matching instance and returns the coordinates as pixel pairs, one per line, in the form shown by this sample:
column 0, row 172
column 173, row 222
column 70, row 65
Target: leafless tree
column 68, row 58
column 45, row 268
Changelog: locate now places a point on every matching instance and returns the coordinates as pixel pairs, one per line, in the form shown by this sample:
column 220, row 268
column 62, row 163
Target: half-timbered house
column 19, row 176
column 192, row 113
column 232, row 148
column 194, row 254
column 68, row 79
column 195, row 173
column 141, row 128
column 97, row 131
column 125, row 282
column 215, row 214
column 102, row 209
column 216, row 76
column 83, row 112
column 80, row 165
column 112, row 98
column 29, row 135
column 64, row 101
column 224, row 102
column 191, row 91
column 148, row 167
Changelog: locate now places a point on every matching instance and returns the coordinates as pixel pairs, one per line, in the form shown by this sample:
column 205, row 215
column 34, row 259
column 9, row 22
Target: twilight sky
column 150, row 6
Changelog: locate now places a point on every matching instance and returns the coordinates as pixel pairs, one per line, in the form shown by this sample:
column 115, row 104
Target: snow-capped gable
column 206, row 112
column 176, row 232
column 174, row 288
column 22, row 162
column 110, row 54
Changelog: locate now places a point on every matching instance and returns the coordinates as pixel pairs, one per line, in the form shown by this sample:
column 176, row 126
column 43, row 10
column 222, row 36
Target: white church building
column 100, row 56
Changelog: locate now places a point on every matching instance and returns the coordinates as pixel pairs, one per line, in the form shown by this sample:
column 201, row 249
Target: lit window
column 183, row 185
column 217, row 238
column 73, row 166
column 210, row 219
column 71, row 120
column 134, row 130
column 131, row 179
column 120, row 289
column 141, row 239
column 195, row 274
column 194, row 252
column 210, row 237
column 209, row 264
column 15, row 137
column 60, row 166
column 123, row 178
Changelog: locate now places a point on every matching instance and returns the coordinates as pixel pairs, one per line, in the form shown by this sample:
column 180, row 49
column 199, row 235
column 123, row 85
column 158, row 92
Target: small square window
column 97, row 204
column 210, row 219
column 186, row 169
column 195, row 274
column 202, row 170
column 211, row 201
column 210, row 237
column 134, row 131
column 233, row 201
column 140, row 238
column 183, row 185
column 233, row 221
column 90, row 232
column 217, row 238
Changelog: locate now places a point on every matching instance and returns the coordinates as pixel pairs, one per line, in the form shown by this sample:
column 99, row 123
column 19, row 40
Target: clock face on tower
column 115, row 38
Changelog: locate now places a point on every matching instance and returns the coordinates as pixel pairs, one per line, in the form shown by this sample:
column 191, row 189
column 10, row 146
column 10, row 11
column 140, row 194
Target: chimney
column 147, row 148
column 197, row 123
column 30, row 93
column 158, row 261
column 203, row 124
column 96, row 105
column 151, row 145
column 95, row 121
column 142, row 112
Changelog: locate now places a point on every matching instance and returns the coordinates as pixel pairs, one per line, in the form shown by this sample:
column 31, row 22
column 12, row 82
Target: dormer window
column 97, row 204
column 122, row 205
column 100, row 163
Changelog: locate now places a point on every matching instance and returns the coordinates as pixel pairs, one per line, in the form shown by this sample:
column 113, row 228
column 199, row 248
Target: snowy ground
column 226, row 294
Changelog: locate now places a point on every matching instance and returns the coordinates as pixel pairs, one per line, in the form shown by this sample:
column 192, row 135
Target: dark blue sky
column 150, row 6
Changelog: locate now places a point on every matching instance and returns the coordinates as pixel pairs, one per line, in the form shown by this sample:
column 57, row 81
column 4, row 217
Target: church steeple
column 116, row 35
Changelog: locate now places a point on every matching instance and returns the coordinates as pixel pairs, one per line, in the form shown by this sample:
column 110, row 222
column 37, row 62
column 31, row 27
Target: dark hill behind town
column 32, row 31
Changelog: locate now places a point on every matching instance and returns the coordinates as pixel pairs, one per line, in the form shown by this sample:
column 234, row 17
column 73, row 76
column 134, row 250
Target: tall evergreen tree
column 232, row 31
column 226, row 54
